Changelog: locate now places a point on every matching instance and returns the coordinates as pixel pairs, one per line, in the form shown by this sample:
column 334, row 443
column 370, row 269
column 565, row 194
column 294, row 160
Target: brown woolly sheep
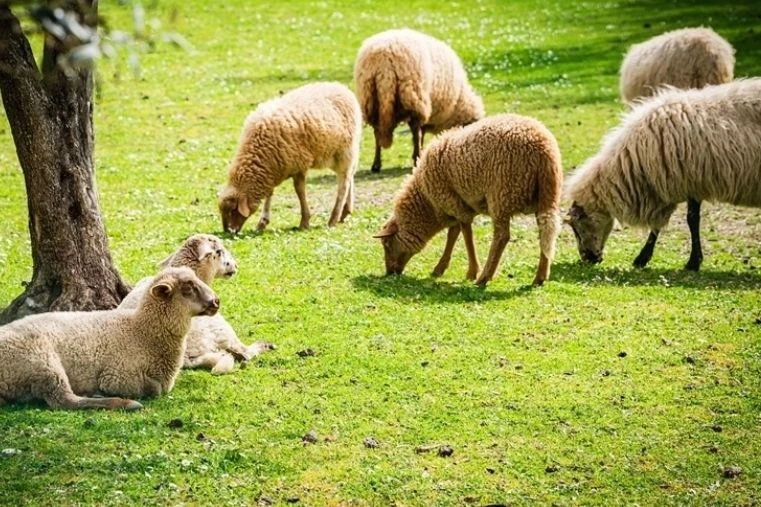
column 211, row 342
column 408, row 76
column 314, row 126
column 499, row 166
column 681, row 145
column 66, row 358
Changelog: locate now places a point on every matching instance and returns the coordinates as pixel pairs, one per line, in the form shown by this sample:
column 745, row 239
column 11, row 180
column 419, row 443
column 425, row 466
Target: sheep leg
column 206, row 361
column 452, row 234
column 349, row 205
column 54, row 387
column 470, row 247
column 225, row 365
column 647, row 251
column 300, row 184
column 693, row 221
column 376, row 167
column 543, row 271
column 417, row 139
column 257, row 348
column 498, row 244
column 71, row 401
column 344, row 183
column 265, row 219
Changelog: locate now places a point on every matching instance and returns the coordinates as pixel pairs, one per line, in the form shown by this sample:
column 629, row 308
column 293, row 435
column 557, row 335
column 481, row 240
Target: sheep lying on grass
column 680, row 145
column 66, row 358
column 211, row 342
column 404, row 75
column 500, row 166
column 686, row 58
column 317, row 125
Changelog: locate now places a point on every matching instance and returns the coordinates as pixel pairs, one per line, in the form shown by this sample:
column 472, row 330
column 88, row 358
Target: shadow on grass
column 598, row 275
column 363, row 174
column 432, row 290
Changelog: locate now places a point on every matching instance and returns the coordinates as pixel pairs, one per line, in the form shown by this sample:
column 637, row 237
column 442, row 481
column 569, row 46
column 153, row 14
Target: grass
column 607, row 386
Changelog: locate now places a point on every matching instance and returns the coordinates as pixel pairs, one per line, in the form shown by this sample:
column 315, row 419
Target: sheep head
column 397, row 254
column 234, row 208
column 591, row 228
column 206, row 255
column 180, row 286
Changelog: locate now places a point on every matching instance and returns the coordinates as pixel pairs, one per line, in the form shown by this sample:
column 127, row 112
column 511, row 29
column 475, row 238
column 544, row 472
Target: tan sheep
column 408, row 76
column 211, row 342
column 314, row 126
column 686, row 58
column 499, row 166
column 678, row 146
column 66, row 358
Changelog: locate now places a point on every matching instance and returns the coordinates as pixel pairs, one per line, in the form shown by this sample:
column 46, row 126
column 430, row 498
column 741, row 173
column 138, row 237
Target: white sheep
column 680, row 145
column 686, row 58
column 67, row 358
column 499, row 166
column 314, row 126
column 408, row 76
column 211, row 342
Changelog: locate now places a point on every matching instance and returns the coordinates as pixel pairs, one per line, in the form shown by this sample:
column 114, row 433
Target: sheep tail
column 548, row 219
column 386, row 97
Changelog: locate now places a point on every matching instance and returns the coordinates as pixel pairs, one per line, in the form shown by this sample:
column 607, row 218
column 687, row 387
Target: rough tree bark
column 50, row 112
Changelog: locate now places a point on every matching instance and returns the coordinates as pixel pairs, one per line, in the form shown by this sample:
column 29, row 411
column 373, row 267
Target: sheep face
column 591, row 230
column 397, row 255
column 210, row 249
column 234, row 209
column 180, row 286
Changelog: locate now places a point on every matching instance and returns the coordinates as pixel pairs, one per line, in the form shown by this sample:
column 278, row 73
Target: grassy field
column 606, row 386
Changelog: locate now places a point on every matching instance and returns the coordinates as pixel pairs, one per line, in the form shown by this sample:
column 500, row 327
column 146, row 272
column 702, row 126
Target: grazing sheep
column 408, row 76
column 211, row 342
column 686, row 58
column 679, row 145
column 66, row 358
column 314, row 126
column 499, row 166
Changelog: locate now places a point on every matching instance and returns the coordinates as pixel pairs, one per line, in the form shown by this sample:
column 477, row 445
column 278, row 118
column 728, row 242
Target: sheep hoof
column 482, row 282
column 132, row 405
column 640, row 263
column 438, row 271
column 471, row 275
column 693, row 265
column 375, row 168
column 538, row 282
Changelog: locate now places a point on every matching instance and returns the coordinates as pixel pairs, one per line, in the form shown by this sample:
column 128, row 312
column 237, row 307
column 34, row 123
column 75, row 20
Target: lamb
column 678, row 146
column 314, row 126
column 407, row 76
column 67, row 358
column 686, row 58
column 500, row 166
column 211, row 342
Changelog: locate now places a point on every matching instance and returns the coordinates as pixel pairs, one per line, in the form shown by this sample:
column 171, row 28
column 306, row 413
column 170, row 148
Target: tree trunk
column 51, row 118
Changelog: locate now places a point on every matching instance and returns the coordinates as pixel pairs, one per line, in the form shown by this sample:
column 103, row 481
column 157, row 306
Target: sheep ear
column 389, row 229
column 166, row 262
column 243, row 208
column 161, row 291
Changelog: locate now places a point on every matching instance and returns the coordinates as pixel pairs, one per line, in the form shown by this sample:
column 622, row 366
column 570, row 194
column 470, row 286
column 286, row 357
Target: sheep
column 500, row 166
column 686, row 58
column 314, row 126
column 68, row 358
column 211, row 342
column 681, row 145
column 408, row 76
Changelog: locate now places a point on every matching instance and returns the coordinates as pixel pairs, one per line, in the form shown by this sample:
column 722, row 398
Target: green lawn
column 606, row 386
